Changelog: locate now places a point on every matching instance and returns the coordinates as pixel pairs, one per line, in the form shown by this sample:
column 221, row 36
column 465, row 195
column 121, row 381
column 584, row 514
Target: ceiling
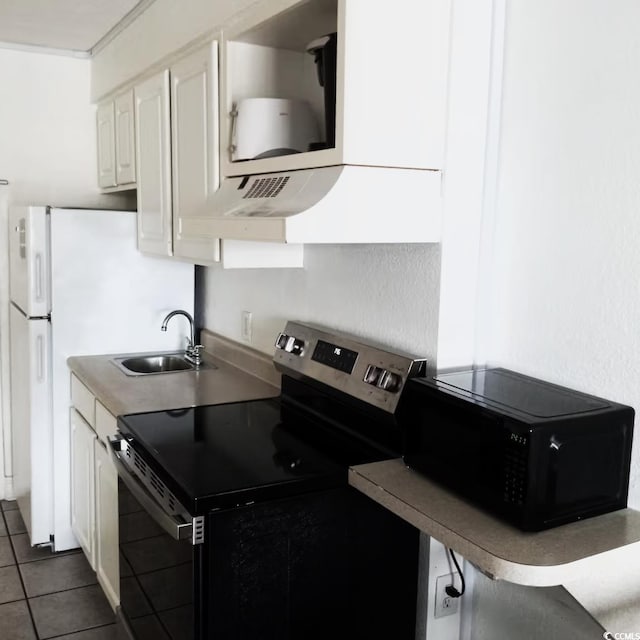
column 75, row 25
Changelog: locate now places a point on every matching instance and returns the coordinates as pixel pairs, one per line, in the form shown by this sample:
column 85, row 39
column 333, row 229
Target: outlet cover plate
column 246, row 326
column 445, row 605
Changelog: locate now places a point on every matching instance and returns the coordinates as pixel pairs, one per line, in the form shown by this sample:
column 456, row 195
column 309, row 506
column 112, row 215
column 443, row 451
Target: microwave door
column 29, row 260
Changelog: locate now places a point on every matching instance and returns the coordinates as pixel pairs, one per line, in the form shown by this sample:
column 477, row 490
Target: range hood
column 335, row 204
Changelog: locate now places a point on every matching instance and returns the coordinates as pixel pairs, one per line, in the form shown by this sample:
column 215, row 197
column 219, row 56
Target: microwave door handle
column 177, row 530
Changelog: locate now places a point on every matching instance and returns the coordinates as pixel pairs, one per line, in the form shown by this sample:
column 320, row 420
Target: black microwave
column 532, row 453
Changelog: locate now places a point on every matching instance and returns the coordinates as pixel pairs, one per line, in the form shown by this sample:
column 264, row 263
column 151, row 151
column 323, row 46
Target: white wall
column 47, row 129
column 388, row 293
column 470, row 113
column 565, row 302
column 47, row 146
column 567, row 262
column 5, row 440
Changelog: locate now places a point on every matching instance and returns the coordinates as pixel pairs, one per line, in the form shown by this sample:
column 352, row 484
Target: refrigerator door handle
column 40, row 359
column 38, row 277
column 21, row 230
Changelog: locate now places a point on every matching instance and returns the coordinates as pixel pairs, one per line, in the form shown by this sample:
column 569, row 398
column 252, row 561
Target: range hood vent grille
column 267, row 187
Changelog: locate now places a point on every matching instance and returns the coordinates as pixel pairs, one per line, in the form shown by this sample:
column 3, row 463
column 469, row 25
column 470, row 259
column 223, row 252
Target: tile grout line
column 52, row 593
column 61, row 554
column 28, row 599
column 79, row 631
column 24, row 590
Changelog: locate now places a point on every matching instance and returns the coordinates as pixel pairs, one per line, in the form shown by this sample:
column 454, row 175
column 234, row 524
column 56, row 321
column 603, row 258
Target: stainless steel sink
column 146, row 364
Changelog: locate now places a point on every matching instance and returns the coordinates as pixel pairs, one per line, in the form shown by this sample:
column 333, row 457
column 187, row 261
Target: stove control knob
column 389, row 381
column 281, row 340
column 372, row 374
column 294, row 346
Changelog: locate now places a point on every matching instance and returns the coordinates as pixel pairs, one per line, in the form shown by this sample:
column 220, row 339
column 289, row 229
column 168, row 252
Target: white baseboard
column 8, row 489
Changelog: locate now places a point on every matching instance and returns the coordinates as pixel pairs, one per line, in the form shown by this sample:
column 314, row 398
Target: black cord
column 450, row 589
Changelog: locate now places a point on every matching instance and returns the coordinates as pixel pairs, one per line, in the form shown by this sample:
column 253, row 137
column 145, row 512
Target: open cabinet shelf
column 384, row 115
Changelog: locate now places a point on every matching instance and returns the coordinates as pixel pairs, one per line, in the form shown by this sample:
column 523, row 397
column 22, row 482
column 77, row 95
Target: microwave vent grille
column 266, row 187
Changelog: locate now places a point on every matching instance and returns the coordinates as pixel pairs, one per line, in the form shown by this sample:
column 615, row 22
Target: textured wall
column 566, row 263
column 565, row 303
column 387, row 293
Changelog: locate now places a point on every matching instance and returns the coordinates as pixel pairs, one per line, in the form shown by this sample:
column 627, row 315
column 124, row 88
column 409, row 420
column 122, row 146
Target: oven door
column 160, row 555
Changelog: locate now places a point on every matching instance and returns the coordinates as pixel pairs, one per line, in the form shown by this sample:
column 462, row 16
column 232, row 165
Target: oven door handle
column 176, row 529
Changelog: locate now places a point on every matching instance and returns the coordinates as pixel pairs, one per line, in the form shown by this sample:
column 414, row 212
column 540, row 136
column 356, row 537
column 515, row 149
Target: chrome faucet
column 192, row 352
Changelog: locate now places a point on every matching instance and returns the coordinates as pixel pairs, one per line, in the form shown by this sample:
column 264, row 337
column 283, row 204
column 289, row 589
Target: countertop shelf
column 557, row 556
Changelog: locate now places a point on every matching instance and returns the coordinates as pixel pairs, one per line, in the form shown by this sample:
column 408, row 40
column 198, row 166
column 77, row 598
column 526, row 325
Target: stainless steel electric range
column 237, row 521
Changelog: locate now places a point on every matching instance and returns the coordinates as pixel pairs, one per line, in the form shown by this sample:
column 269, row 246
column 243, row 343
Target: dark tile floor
column 47, row 595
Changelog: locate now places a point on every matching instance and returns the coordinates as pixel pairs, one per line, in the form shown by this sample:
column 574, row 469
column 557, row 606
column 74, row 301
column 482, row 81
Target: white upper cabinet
column 373, row 108
column 329, row 127
column 116, row 157
column 176, row 116
column 105, row 122
column 194, row 143
column 333, row 117
column 125, row 139
column 153, row 153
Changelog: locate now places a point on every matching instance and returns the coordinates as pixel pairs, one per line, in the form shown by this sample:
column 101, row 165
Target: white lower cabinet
column 106, row 530
column 94, row 488
column 83, row 485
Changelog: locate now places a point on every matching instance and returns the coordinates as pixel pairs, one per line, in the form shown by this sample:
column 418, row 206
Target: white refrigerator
column 78, row 286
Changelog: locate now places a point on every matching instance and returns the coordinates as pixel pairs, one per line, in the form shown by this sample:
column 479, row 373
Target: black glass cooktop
column 226, row 455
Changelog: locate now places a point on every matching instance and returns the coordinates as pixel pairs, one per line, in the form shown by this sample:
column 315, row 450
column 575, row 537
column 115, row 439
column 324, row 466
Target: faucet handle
column 193, row 353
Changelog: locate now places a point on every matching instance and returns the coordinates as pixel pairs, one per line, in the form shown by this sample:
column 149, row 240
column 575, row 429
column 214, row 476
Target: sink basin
column 145, row 364
column 155, row 364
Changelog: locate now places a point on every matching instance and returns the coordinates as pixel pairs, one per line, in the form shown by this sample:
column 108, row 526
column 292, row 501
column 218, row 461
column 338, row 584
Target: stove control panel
column 368, row 372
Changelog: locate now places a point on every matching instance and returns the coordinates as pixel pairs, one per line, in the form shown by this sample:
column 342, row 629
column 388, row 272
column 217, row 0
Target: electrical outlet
column 246, row 327
column 445, row 604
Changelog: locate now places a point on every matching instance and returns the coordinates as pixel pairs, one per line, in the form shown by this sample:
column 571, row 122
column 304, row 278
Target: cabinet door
column 82, row 485
column 153, row 153
column 106, row 145
column 194, row 140
column 107, row 567
column 124, row 139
